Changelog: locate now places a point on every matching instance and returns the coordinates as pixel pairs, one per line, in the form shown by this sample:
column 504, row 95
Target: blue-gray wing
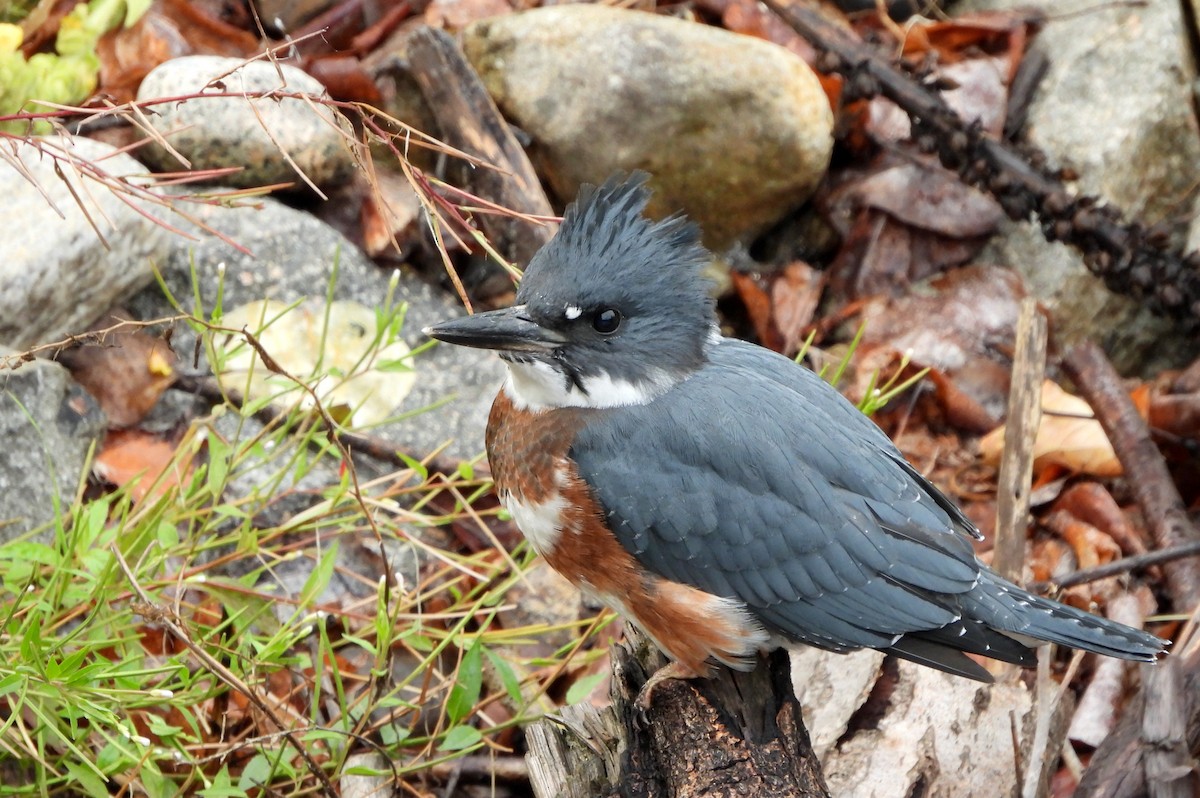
column 754, row 479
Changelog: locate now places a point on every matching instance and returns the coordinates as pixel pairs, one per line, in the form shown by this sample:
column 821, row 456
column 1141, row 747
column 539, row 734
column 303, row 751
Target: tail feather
column 1013, row 611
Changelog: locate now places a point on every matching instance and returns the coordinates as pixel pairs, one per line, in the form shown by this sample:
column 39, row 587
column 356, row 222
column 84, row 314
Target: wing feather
column 753, row 480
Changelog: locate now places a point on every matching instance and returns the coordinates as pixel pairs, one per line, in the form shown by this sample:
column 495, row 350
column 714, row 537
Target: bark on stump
column 736, row 734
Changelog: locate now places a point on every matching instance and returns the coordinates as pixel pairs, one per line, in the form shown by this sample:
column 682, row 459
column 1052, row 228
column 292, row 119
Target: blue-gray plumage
column 726, row 469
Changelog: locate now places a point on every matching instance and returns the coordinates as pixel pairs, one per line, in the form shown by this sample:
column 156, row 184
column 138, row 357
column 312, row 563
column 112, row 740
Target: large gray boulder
column 735, row 130
column 75, row 242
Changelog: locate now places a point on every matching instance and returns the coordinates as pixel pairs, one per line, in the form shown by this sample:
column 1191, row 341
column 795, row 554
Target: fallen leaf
column 1069, row 436
column 126, row 372
column 144, row 462
column 795, row 293
column 356, row 375
column 390, row 215
column 752, row 289
column 957, row 329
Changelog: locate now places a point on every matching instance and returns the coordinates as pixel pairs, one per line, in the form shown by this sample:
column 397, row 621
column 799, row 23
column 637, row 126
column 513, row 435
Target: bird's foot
column 672, row 670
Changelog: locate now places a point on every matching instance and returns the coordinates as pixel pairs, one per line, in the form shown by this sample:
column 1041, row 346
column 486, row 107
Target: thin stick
column 1145, row 469
column 1016, row 464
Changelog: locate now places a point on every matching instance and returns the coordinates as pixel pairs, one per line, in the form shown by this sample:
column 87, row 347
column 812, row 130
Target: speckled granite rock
column 64, row 267
column 47, row 423
column 223, row 131
column 735, row 130
column 293, row 255
column 1116, row 107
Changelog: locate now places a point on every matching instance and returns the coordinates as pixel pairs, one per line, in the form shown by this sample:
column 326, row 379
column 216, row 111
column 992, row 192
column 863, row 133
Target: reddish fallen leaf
column 903, row 222
column 1179, row 415
column 962, row 410
column 390, row 215
column 928, row 197
column 751, row 18
column 875, row 258
column 169, row 29
column 345, row 79
column 795, row 294
column 1050, row 558
column 1091, row 546
column 753, row 292
column 954, row 330
column 144, row 462
column 1091, row 502
column 964, row 36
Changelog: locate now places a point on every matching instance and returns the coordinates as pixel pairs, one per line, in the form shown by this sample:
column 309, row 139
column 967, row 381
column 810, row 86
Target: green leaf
column 11, row 682
column 395, row 365
column 318, row 580
column 255, row 773
column 584, row 687
column 28, row 551
column 159, row 727
column 461, row 737
column 155, row 783
column 415, row 465
column 508, row 677
column 467, row 684
column 91, row 781
column 221, row 787
column 391, row 734
column 218, row 465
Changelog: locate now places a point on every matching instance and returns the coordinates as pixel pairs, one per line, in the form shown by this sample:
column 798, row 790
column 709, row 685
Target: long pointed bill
column 505, row 330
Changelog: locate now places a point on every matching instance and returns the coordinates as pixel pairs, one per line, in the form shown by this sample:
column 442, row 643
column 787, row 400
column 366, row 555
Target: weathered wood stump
column 737, row 734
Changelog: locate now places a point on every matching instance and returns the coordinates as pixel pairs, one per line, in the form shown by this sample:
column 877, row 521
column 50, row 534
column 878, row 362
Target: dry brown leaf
column 390, row 215
column 126, row 372
column 1069, row 436
column 795, row 294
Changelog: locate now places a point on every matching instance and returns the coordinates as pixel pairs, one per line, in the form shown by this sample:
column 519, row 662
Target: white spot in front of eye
column 573, row 312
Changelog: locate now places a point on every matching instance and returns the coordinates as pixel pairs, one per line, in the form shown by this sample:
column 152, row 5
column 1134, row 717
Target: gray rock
column 223, row 131
column 736, row 131
column 1116, row 107
column 47, row 423
column 64, row 265
column 293, row 256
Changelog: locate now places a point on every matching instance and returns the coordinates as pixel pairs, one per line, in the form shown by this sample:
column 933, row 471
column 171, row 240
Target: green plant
column 876, row 397
column 65, row 77
column 143, row 643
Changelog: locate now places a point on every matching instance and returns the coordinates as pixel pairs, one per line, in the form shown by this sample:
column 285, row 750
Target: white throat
column 536, row 385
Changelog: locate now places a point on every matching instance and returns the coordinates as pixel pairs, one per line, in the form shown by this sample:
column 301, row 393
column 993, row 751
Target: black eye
column 606, row 321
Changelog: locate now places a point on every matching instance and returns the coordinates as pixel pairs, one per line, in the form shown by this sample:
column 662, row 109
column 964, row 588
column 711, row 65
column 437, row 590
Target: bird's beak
column 507, row 330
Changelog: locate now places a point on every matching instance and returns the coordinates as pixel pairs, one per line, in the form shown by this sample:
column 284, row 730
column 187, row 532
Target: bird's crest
column 607, row 240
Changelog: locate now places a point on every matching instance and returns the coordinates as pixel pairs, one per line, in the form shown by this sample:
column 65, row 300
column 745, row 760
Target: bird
column 723, row 498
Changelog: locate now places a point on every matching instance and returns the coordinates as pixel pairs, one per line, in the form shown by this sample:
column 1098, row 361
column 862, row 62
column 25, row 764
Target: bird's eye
column 606, row 321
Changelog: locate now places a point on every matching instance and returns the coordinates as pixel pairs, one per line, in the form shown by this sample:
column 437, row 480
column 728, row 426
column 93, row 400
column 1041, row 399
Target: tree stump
column 736, row 734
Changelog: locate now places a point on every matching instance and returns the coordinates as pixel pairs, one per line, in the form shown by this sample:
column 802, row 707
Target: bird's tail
column 1020, row 614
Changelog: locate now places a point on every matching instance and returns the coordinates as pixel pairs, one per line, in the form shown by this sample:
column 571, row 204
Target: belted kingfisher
column 718, row 495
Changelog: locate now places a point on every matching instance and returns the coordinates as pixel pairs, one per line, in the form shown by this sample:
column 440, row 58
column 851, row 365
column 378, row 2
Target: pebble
column 222, row 131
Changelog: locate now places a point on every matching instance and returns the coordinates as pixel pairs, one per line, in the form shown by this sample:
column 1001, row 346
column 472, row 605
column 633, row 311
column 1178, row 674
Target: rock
column 48, row 424
column 60, row 273
column 1115, row 107
column 293, row 256
column 224, row 131
column 735, row 130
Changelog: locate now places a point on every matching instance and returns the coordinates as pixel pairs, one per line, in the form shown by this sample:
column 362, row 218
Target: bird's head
column 612, row 311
